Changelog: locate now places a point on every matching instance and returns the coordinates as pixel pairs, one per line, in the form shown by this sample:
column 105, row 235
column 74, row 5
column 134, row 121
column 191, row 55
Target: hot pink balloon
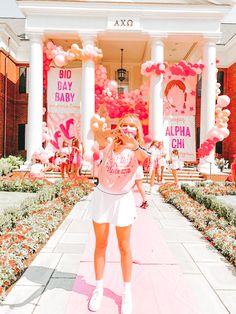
column 96, row 156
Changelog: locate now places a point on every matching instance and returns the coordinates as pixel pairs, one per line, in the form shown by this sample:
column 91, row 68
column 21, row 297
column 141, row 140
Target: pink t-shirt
column 117, row 170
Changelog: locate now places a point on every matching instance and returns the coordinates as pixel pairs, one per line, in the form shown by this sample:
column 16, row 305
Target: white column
column 156, row 97
column 87, row 96
column 35, row 101
column 208, row 99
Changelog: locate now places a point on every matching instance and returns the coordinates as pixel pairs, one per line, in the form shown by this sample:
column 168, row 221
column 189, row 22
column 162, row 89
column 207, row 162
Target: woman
column 65, row 159
column 75, row 157
column 174, row 163
column 113, row 201
column 162, row 161
column 139, row 183
column 154, row 163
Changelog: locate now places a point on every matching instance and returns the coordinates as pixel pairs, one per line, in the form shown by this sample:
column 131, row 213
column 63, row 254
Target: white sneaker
column 96, row 300
column 126, row 304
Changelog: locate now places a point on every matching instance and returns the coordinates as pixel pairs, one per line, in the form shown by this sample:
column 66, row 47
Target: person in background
column 65, row 159
column 233, row 169
column 139, row 183
column 154, row 163
column 174, row 164
column 75, row 157
column 162, row 161
column 37, row 170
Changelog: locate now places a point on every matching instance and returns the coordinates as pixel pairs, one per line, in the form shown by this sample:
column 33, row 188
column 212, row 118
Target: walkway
column 175, row 269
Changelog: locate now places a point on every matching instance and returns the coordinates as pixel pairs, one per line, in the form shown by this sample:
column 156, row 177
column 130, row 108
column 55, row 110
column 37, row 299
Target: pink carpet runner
column 158, row 286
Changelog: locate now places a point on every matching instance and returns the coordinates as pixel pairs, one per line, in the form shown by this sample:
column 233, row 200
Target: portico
column 152, row 31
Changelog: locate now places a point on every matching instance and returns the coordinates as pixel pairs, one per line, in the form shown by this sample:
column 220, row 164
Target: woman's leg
column 162, row 172
column 174, row 172
column 152, row 179
column 158, row 174
column 139, row 184
column 76, row 170
column 101, row 234
column 68, row 169
column 63, row 170
column 123, row 237
column 72, row 170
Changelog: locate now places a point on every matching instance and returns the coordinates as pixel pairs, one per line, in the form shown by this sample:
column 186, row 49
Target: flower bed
column 23, row 231
column 9, row 163
column 206, row 195
column 218, row 230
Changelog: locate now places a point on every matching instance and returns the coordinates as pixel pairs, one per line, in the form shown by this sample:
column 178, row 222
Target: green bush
column 211, row 202
column 9, row 163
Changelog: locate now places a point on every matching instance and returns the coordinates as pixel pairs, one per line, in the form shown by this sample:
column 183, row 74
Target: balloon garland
column 117, row 105
column 184, row 68
column 220, row 130
column 150, row 68
column 46, row 68
column 62, row 57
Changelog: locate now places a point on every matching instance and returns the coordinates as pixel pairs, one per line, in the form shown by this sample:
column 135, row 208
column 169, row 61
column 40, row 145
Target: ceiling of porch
column 136, row 50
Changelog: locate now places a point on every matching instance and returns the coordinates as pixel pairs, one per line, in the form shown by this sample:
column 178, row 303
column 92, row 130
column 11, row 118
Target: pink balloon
column 182, row 63
column 49, row 45
column 223, row 101
column 226, row 112
column 201, row 66
column 96, row 156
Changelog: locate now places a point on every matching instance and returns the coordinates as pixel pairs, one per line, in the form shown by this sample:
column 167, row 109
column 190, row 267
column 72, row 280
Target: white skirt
column 117, row 209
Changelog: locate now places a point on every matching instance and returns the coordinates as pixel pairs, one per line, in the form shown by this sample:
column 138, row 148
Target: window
column 21, row 136
column 220, row 79
column 198, row 138
column 199, row 85
column 22, row 80
column 219, row 146
column 122, row 86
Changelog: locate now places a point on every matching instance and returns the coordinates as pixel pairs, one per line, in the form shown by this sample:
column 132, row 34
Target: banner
column 63, row 105
column 179, row 134
column 179, row 94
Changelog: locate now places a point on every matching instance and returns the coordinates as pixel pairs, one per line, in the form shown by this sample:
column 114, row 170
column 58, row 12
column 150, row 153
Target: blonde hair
column 133, row 118
column 75, row 141
column 64, row 142
column 175, row 152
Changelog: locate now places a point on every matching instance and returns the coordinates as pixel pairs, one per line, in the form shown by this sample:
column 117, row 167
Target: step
column 185, row 179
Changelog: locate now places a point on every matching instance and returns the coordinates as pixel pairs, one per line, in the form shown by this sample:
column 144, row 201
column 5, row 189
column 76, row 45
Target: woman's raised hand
column 127, row 140
column 100, row 130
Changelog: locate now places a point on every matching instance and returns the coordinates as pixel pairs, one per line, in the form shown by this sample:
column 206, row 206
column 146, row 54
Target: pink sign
column 180, row 134
column 63, row 110
column 179, row 94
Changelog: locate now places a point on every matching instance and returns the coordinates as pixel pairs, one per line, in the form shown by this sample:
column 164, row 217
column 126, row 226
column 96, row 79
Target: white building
column 155, row 30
